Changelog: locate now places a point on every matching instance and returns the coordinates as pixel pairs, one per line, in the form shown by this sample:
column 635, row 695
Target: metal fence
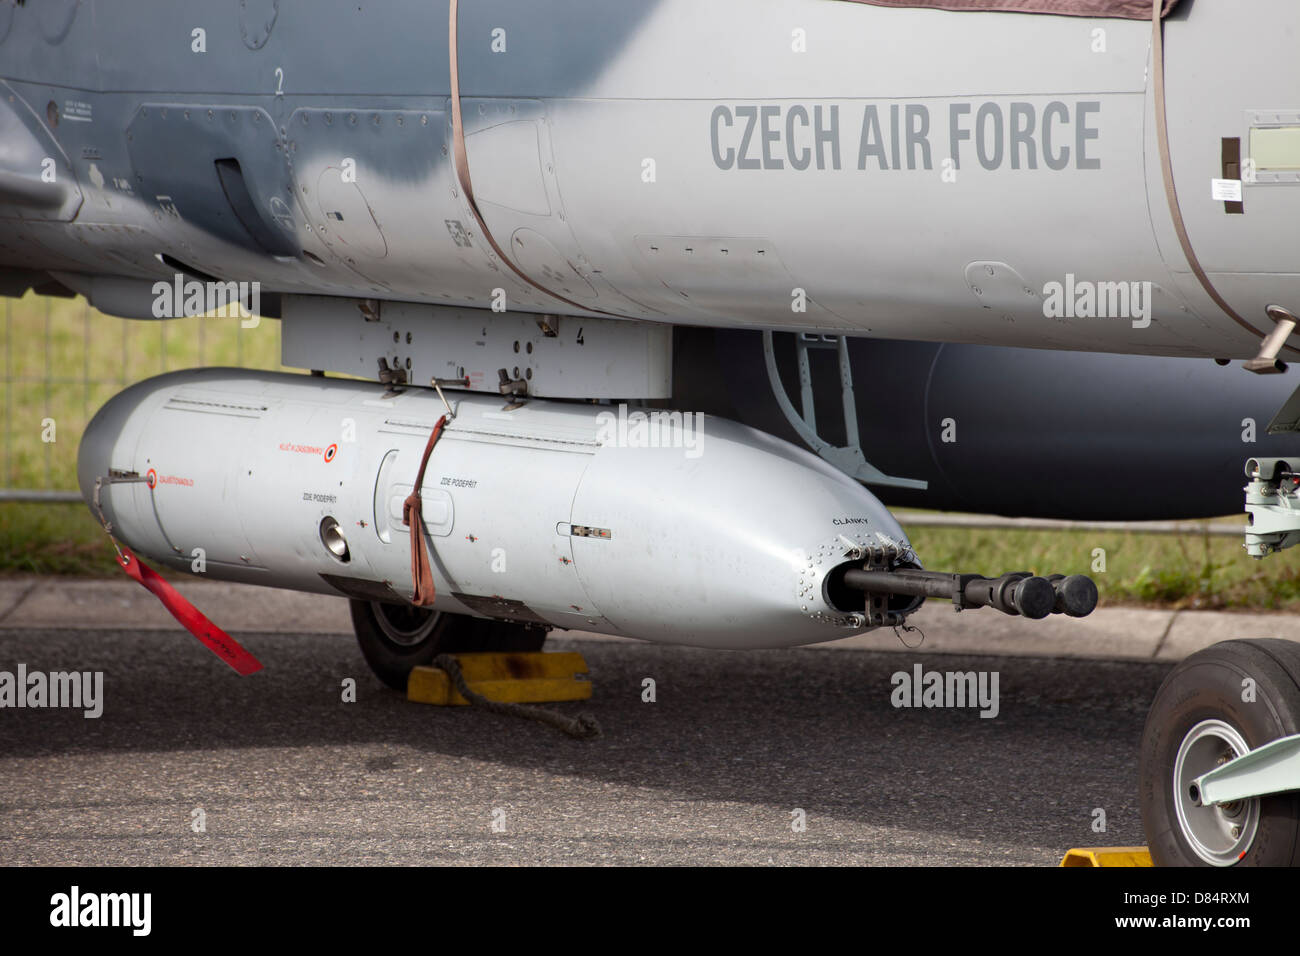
column 64, row 359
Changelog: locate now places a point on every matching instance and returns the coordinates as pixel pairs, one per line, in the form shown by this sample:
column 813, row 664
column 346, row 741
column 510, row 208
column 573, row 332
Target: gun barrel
column 1017, row 593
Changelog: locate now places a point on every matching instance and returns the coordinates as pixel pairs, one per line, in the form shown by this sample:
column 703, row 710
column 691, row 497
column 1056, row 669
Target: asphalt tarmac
column 790, row 757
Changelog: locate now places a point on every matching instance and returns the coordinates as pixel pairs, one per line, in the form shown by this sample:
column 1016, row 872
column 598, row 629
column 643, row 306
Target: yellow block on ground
column 1108, row 856
column 535, row 678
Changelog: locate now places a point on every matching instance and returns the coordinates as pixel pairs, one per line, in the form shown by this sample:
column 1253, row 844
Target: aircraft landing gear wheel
column 1198, row 721
column 395, row 638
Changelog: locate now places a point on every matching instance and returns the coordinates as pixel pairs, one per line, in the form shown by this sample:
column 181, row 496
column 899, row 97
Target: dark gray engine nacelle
column 1038, row 433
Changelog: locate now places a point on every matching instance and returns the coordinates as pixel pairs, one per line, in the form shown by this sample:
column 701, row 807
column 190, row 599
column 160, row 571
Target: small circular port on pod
column 331, row 535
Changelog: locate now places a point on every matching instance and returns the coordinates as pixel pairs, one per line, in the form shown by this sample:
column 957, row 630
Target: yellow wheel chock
column 523, row 678
column 1107, row 856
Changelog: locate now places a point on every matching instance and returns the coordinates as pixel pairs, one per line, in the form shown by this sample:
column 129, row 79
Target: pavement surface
column 784, row 757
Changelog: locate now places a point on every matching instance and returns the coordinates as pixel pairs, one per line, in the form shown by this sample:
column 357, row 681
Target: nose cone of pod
column 724, row 539
column 108, row 442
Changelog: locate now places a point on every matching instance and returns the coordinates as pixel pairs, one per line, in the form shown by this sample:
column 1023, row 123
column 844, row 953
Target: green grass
column 62, row 360
column 1194, row 572
column 53, row 539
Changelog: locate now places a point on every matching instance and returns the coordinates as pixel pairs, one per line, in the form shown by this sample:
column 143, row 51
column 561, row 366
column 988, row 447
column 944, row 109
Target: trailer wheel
column 395, row 638
column 1204, row 715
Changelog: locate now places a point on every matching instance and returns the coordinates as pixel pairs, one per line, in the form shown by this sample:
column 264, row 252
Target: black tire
column 395, row 638
column 1197, row 720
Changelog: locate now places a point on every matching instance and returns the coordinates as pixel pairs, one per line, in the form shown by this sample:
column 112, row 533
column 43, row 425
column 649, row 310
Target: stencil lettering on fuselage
column 1019, row 135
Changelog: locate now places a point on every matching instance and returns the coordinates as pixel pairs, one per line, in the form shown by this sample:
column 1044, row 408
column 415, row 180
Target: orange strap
column 413, row 516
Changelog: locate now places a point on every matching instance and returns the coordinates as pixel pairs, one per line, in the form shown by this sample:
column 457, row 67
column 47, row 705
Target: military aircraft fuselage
column 988, row 178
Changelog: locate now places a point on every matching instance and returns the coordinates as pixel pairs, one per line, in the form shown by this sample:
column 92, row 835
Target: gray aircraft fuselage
column 986, row 178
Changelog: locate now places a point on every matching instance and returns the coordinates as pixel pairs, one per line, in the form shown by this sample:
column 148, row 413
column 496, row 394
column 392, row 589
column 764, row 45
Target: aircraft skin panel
column 860, row 162
column 1225, row 102
column 1132, row 9
column 724, row 50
